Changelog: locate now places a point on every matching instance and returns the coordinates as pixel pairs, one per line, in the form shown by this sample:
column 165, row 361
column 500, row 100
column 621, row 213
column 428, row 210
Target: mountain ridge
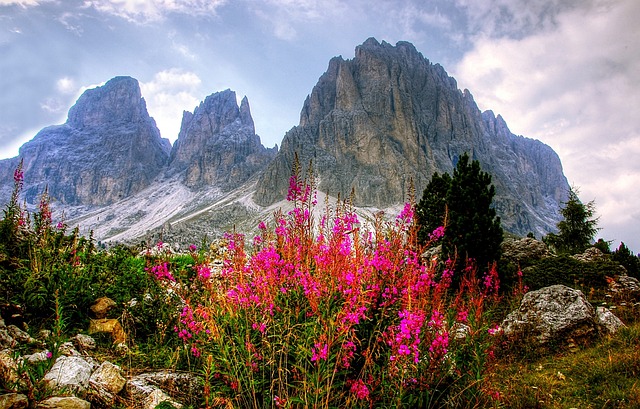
column 375, row 123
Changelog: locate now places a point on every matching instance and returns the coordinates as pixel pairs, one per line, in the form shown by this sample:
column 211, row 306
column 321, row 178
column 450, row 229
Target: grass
column 603, row 375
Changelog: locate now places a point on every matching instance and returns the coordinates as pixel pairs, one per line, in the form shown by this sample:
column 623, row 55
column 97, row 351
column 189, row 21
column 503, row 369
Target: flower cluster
column 338, row 305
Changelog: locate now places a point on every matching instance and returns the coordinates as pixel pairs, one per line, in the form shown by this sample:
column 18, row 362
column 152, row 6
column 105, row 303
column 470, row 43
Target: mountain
column 108, row 149
column 388, row 117
column 218, row 145
column 375, row 124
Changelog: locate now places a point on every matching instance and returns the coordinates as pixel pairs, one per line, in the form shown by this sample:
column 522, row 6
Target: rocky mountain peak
column 108, row 149
column 217, row 144
column 118, row 101
column 388, row 116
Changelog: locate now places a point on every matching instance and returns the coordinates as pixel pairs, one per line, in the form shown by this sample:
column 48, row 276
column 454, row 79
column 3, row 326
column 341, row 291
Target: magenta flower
column 359, row 389
column 319, row 352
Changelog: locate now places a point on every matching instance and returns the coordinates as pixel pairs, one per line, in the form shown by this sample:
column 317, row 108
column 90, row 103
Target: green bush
column 570, row 272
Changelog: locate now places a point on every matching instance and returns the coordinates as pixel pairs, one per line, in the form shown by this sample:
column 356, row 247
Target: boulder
column 607, row 321
column 13, row 401
column 64, row 402
column 552, row 314
column 102, row 306
column 589, row 255
column 109, row 326
column 105, row 383
column 70, row 372
column 523, row 250
column 624, row 287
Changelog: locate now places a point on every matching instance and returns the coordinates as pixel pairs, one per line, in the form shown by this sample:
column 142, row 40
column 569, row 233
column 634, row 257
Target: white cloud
column 168, row 94
column 66, row 85
column 574, row 86
column 285, row 15
column 21, row 3
column 52, row 105
column 144, row 11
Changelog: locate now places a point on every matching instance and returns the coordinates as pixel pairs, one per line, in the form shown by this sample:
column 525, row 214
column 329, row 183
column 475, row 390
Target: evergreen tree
column 628, row 260
column 577, row 230
column 473, row 230
column 432, row 208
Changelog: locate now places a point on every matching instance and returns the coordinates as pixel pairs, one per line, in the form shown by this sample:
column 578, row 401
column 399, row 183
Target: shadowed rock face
column 389, row 116
column 109, row 148
column 218, row 145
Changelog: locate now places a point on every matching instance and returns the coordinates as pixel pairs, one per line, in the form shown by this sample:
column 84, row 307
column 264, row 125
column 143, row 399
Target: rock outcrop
column 217, row 145
column 389, row 116
column 559, row 315
column 109, row 148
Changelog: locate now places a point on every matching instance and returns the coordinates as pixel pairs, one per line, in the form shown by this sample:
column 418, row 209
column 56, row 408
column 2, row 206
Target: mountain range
column 375, row 124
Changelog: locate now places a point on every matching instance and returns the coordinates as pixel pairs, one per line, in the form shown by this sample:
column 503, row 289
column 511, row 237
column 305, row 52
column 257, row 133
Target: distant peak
column 118, row 100
column 371, row 42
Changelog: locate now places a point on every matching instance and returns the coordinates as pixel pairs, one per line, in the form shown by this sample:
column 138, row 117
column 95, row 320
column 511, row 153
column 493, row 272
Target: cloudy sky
column 566, row 72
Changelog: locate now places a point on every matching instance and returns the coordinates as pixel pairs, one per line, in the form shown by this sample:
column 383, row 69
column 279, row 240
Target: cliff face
column 108, row 149
column 389, row 116
column 218, row 145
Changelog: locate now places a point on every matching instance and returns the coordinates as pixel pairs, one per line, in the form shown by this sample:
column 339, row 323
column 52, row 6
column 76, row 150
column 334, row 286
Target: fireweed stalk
column 334, row 315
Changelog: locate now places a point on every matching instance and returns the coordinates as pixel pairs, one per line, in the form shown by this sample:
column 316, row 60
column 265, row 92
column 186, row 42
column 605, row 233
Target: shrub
column 568, row 271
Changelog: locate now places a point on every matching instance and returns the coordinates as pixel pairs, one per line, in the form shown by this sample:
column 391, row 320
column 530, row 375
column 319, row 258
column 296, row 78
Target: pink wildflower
column 360, row 389
column 437, row 234
column 319, row 352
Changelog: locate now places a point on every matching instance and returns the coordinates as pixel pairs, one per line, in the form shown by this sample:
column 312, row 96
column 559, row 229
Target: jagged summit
column 118, row 101
column 388, row 117
column 108, row 149
column 217, row 144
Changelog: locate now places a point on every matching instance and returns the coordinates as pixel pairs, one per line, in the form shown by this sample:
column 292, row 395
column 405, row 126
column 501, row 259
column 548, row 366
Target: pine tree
column 578, row 228
column 432, row 208
column 628, row 260
column 473, row 230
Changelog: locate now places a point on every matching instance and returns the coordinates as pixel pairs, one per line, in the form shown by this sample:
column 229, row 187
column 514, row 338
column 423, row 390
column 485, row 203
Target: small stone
column 44, row 334
column 38, row 356
column 8, row 367
column 13, row 401
column 109, row 326
column 64, row 402
column 106, row 382
column 608, row 322
column 84, row 342
column 19, row 335
column 102, row 306
column 67, row 349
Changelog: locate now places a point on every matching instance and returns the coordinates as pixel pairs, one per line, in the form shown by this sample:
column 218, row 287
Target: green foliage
column 603, row 246
column 578, row 228
column 628, row 260
column 472, row 228
column 568, row 271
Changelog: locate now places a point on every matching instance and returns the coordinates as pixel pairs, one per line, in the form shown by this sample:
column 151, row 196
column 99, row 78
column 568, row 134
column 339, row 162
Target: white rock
column 607, row 321
column 71, row 372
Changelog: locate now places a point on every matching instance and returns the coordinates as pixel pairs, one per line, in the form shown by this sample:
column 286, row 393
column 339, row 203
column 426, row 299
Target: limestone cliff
column 388, row 116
